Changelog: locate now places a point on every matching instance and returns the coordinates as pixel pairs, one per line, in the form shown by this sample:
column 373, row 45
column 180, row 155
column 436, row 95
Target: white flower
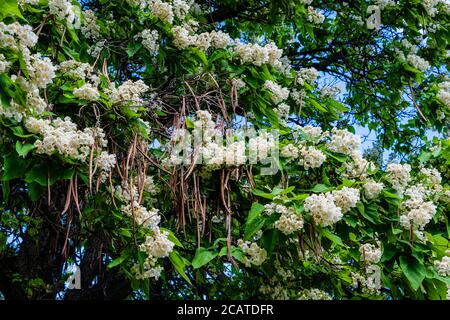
column 87, row 92
column 106, row 161
column 41, row 71
column 255, row 255
column 143, row 217
column 90, row 28
column 4, row 65
column 289, row 151
column 129, row 92
column 315, row 16
column 150, row 40
column 372, row 189
column 313, row 294
column 64, row 10
column 398, row 175
column 370, row 253
column 443, row 266
column 444, row 93
column 278, row 93
column 310, row 157
column 323, row 209
column 289, row 222
column 219, row 39
column 346, row 198
column 417, row 62
column 157, row 245
column 61, row 136
column 343, row 141
column 180, row 8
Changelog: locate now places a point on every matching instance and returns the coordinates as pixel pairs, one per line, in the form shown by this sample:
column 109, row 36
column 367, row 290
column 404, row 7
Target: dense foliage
column 209, row 150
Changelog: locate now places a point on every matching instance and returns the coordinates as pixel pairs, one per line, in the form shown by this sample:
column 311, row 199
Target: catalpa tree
column 232, row 149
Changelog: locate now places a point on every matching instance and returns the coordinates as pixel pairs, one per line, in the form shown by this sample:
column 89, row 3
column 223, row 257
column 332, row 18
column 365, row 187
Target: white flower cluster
column 443, row 266
column 370, row 253
column 41, row 71
column 282, row 111
column 4, row 64
column 358, row 167
column 17, row 37
column 162, row 10
column 105, row 161
column 433, row 178
column 313, row 134
column 254, row 254
column 289, row 222
column 213, row 149
column 370, row 283
column 323, row 209
column 156, row 246
column 343, row 141
column 418, row 211
column 432, row 6
column 128, row 93
column 346, row 198
column 143, row 217
column 62, row 136
column 30, row 2
column 417, row 62
column 274, row 290
column 385, row 3
column 150, row 40
column 398, row 175
column 311, row 157
column 87, row 92
column 76, row 69
column 278, row 93
column 184, row 39
column 444, row 93
column 65, row 10
column 308, row 75
column 261, row 147
column 372, row 189
column 89, row 28
column 259, row 55
column 315, row 16
column 289, row 151
column 313, row 294
column 330, row 92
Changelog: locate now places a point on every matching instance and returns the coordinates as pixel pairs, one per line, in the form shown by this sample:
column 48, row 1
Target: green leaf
column 202, row 257
column 133, row 48
column 414, row 271
column 9, row 8
column 35, row 191
column 19, row 132
column 270, row 239
column 256, row 209
column 3, row 239
column 334, row 238
column 235, row 253
column 23, row 149
column 252, row 227
column 320, row 188
column 180, row 264
column 14, row 166
column 37, row 174
column 117, row 261
column 172, row 237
